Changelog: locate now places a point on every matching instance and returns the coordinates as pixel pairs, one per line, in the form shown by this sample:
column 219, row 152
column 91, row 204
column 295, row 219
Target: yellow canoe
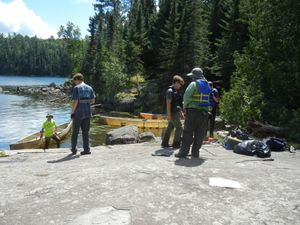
column 140, row 123
column 33, row 141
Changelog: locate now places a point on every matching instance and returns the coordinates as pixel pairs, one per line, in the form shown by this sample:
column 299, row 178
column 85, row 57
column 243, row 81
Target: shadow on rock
column 163, row 152
column 66, row 158
column 192, row 162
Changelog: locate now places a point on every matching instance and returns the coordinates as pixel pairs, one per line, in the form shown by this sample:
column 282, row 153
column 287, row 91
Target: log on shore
column 260, row 129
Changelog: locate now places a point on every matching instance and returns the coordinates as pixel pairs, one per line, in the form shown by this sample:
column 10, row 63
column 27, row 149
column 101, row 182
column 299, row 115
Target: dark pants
column 174, row 123
column 195, row 126
column 212, row 118
column 84, row 124
column 55, row 138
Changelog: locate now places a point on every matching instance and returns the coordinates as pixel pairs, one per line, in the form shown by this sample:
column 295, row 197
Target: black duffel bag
column 253, row 147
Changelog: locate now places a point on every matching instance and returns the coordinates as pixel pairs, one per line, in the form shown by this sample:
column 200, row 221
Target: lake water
column 21, row 116
column 29, row 80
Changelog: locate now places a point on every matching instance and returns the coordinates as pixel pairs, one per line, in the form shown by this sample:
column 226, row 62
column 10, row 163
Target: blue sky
column 43, row 17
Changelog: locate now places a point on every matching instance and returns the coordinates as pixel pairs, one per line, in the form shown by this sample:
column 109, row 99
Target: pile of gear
column 241, row 142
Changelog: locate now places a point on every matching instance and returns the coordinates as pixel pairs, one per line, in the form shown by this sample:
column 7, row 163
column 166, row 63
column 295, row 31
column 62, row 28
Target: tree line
column 23, row 55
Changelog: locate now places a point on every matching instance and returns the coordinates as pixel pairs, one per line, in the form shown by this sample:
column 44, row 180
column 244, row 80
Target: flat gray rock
column 125, row 184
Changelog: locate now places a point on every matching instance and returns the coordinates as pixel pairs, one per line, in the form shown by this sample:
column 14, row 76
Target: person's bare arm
column 41, row 133
column 55, row 130
column 74, row 105
column 216, row 99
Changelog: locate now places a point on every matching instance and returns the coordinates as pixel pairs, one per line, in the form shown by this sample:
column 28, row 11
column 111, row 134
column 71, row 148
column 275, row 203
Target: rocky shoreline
column 52, row 92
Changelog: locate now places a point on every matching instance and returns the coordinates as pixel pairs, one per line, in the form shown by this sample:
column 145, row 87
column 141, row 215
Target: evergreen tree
column 193, row 46
column 169, row 43
column 234, row 38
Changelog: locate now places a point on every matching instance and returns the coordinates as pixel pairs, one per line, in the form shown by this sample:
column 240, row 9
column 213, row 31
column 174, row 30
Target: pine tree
column 193, row 46
column 234, row 38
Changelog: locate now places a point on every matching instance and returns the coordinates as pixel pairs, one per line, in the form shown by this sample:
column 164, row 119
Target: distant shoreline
column 53, row 93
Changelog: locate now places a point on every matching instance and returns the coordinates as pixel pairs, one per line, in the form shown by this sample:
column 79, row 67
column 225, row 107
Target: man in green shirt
column 49, row 130
column 196, row 104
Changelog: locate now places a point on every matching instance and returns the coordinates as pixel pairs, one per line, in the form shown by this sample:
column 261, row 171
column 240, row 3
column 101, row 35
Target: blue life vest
column 203, row 95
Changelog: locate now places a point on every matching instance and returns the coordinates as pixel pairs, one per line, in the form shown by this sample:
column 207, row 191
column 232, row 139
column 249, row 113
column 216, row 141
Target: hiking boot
column 178, row 155
column 74, row 151
column 85, row 153
column 176, row 145
column 165, row 146
column 195, row 156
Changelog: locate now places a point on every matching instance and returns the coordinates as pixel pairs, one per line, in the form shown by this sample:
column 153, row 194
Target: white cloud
column 16, row 17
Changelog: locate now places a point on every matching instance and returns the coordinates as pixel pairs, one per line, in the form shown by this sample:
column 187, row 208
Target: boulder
column 122, row 135
column 146, row 137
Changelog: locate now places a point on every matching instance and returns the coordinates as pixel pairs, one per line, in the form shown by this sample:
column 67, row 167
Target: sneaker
column 85, row 153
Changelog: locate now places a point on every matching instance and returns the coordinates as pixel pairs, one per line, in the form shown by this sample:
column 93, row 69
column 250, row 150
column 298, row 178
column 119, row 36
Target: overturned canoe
column 33, row 141
column 140, row 123
column 152, row 116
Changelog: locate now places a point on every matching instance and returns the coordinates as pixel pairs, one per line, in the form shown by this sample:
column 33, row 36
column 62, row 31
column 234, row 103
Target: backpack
column 242, row 135
column 276, row 144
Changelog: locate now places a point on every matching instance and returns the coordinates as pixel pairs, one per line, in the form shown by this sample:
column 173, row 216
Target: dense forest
column 31, row 56
column 250, row 48
column 23, row 55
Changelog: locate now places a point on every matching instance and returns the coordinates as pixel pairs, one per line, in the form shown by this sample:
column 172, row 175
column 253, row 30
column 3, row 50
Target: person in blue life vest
column 83, row 97
column 214, row 99
column 174, row 113
column 196, row 104
column 49, row 130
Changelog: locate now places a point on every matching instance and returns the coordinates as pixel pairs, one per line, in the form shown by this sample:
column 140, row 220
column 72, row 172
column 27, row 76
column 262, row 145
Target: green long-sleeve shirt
column 187, row 97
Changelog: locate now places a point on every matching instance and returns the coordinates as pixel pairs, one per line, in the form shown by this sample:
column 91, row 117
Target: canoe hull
column 33, row 141
column 140, row 123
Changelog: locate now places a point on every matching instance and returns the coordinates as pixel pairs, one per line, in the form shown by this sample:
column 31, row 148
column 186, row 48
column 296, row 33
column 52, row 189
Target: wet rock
column 122, row 135
column 146, row 137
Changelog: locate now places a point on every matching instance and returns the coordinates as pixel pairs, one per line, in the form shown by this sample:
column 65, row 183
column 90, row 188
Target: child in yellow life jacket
column 49, row 130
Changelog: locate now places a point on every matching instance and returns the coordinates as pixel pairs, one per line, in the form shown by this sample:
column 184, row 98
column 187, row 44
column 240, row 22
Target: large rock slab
column 121, row 183
column 122, row 135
